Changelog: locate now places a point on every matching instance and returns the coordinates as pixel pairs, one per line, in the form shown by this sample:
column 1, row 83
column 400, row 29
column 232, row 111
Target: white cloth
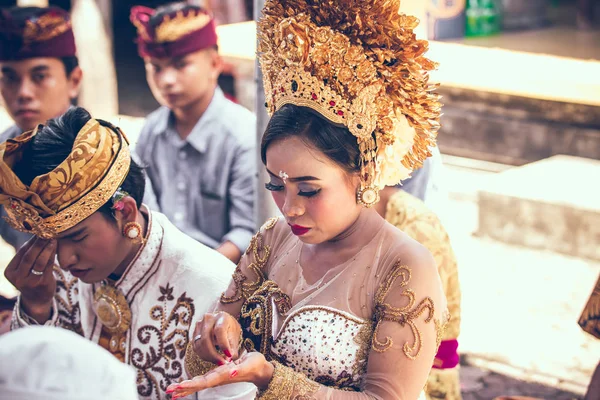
column 171, row 284
column 47, row 363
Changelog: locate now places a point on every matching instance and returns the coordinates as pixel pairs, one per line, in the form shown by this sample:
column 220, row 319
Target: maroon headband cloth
column 47, row 32
column 188, row 41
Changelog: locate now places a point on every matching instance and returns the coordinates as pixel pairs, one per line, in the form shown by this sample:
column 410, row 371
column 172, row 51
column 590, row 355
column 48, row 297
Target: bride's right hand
column 217, row 338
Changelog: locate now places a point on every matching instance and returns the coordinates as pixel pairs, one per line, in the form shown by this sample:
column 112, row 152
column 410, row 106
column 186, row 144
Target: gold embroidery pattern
column 173, row 29
column 161, row 362
column 364, row 340
column 256, row 316
column 260, row 255
column 288, row 384
column 412, row 216
column 78, row 187
column 46, row 27
column 406, row 315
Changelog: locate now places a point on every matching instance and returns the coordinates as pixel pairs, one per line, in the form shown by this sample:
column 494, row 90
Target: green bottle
column 484, row 17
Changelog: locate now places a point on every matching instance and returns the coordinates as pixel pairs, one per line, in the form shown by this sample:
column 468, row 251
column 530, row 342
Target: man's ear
column 128, row 212
column 75, row 79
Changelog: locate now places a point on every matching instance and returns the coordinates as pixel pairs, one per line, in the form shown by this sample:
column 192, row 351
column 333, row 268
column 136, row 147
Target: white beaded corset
column 327, row 345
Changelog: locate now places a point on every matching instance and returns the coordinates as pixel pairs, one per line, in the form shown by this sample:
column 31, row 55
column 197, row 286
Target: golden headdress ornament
column 358, row 64
column 87, row 179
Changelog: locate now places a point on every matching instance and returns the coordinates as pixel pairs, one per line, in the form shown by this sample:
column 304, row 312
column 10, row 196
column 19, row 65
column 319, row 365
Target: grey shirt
column 205, row 184
column 11, row 236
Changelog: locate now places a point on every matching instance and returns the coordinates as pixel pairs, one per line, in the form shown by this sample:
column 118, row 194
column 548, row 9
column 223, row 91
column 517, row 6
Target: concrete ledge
column 553, row 204
column 519, row 73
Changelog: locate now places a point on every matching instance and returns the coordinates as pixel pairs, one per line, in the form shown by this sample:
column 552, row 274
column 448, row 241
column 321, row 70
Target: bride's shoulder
column 273, row 231
column 399, row 249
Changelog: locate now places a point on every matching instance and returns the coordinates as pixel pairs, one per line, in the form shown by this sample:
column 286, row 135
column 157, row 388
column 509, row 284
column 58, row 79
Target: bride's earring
column 367, row 196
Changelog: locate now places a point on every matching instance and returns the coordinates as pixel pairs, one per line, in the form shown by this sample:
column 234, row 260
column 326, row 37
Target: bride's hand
column 251, row 367
column 217, row 332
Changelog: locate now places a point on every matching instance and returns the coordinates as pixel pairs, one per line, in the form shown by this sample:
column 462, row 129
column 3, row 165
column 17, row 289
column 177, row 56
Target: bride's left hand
column 251, row 367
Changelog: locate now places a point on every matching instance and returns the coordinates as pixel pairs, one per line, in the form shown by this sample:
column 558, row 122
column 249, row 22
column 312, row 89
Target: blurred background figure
column 40, row 75
column 198, row 136
column 47, row 363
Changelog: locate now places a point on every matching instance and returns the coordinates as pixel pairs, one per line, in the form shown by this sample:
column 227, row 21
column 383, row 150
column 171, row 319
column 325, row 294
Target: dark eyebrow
column 72, row 234
column 7, row 70
column 40, row 68
column 296, row 179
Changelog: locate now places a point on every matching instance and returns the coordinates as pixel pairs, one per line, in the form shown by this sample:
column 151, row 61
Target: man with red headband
column 199, row 147
column 40, row 75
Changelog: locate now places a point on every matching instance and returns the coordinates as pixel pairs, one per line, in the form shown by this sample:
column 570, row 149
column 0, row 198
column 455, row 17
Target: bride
column 330, row 301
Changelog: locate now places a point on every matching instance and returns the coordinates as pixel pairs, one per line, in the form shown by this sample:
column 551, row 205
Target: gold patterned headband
column 357, row 64
column 74, row 190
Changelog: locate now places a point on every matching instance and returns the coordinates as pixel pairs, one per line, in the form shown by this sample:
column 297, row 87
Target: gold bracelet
column 287, row 384
column 197, row 366
column 194, row 365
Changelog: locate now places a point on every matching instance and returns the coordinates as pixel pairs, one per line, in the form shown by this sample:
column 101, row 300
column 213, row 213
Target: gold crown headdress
column 54, row 202
column 358, row 64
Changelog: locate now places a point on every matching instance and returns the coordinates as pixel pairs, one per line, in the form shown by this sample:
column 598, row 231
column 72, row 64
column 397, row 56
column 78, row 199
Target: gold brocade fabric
column 410, row 215
column 443, row 384
column 75, row 189
column 590, row 317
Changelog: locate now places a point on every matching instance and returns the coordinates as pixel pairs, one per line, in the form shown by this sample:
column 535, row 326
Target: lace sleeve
column 250, row 272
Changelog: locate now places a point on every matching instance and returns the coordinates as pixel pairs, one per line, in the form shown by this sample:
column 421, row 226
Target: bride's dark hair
column 336, row 142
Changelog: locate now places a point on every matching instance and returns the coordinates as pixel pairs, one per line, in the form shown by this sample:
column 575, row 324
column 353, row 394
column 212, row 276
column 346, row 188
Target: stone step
column 553, row 204
column 516, row 130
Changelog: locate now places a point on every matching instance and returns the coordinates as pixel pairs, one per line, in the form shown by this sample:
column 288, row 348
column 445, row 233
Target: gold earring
column 133, row 232
column 367, row 197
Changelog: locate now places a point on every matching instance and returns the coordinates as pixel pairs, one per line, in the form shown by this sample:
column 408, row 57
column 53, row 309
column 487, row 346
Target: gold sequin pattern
column 405, row 316
column 194, row 365
column 259, row 252
column 288, row 384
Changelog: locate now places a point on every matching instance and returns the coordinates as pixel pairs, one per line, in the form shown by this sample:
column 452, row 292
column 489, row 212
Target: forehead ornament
column 284, row 176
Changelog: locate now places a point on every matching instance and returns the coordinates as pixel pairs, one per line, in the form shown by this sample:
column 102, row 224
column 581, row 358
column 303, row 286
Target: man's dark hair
column 70, row 64
column 52, row 145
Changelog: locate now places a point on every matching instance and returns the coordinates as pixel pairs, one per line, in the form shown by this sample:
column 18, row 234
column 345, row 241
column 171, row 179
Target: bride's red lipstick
column 299, row 230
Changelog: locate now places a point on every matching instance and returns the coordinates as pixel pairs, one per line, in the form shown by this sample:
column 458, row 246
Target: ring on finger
column 37, row 273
